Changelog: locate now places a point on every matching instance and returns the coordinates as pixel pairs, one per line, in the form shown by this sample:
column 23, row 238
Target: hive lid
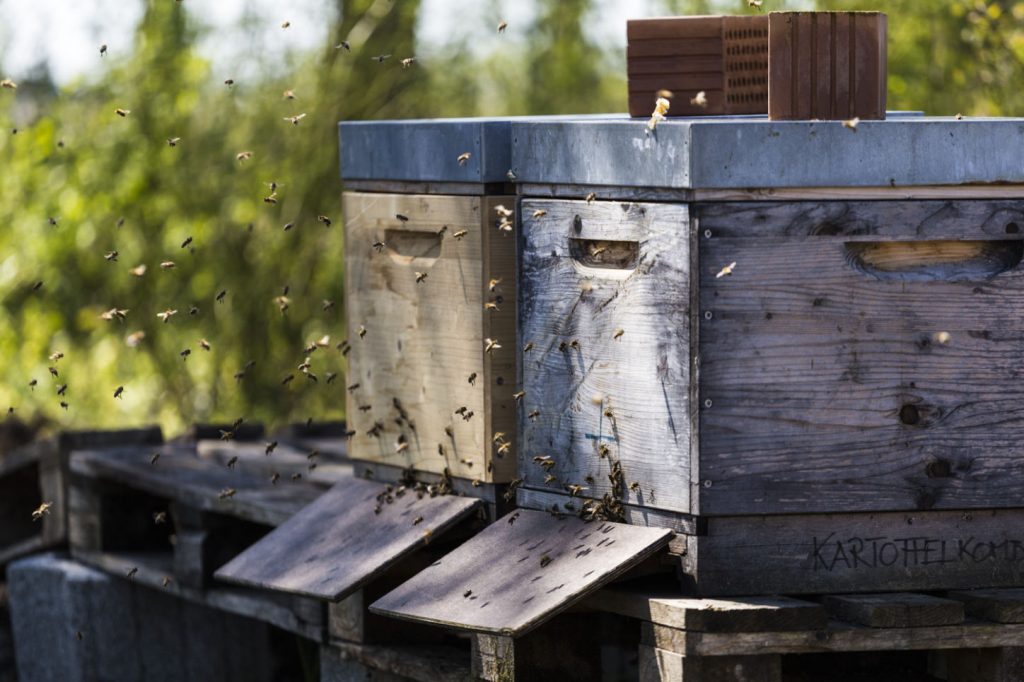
column 338, row 543
column 755, row 153
column 502, row 582
column 428, row 150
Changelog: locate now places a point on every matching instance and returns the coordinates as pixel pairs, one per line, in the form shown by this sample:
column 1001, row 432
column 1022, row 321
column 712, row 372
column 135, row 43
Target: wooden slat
column 424, row 340
column 894, row 610
column 743, row 614
column 658, row 665
column 691, row 47
column 1000, row 606
column 647, row 66
column 669, row 28
column 514, row 576
column 340, row 542
column 641, row 378
column 636, row 515
column 684, row 83
column 180, row 476
column 435, row 663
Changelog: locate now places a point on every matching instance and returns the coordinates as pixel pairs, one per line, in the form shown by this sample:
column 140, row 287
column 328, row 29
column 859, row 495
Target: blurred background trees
column 79, row 182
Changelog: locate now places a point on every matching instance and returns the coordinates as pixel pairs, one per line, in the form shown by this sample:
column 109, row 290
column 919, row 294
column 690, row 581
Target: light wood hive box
column 424, row 390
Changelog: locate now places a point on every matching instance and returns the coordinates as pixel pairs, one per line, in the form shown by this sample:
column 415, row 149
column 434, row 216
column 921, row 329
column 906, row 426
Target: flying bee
column 243, row 156
column 700, row 100
column 294, row 120
column 220, row 295
column 114, row 314
column 590, row 198
column 362, row 331
column 226, row 435
column 727, row 270
column 122, row 112
column 271, row 199
column 9, row 84
column 286, row 24
column 420, row 276
column 173, row 141
column 137, row 271
column 274, row 478
column 32, row 384
column 167, row 315
column 539, row 213
column 111, row 256
column 184, row 354
column 618, row 334
column 282, row 303
column 312, row 377
column 574, row 490
column 62, row 389
column 472, row 379
column 232, row 462
column 365, row 408
column 563, row 346
column 131, row 572
column 534, row 414
column 37, row 286
column 306, row 364
column 460, row 234
column 329, row 377
column 501, row 29
column 518, row 396
column 119, row 391
column 159, row 517
column 852, row 123
column 42, row 510
column 490, row 345
column 461, row 410
column 755, row 4
column 550, row 478
column 448, row 431
column 229, row 82
column 166, row 582
column 204, row 344
column 381, row 58
column 167, row 265
column 635, row 486
column 296, row 476
column 64, row 404
column 463, row 158
column 56, row 356
column 408, row 61
column 574, row 344
column 503, row 449
column 154, row 458
column 226, row 493
column 603, row 450
column 493, row 284
column 544, row 560
column 491, row 305
column 343, row 45
column 288, row 94
column 53, row 372
column 467, row 416
column 324, row 219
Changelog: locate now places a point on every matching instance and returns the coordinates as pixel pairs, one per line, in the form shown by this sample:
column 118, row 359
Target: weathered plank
column 658, row 665
column 425, row 390
column 894, row 610
column 340, row 542
column 180, row 476
column 867, row 349
column 596, row 398
column 1000, row 606
column 421, row 663
column 563, row 502
column 836, row 553
column 566, row 647
column 519, row 572
column 743, row 614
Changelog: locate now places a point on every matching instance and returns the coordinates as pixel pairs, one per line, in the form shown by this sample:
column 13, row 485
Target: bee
column 448, row 431
column 502, row 26
column 590, row 198
column 574, row 490
column 618, row 334
column 111, row 256
column 32, row 384
column 343, row 45
column 220, row 295
column 232, row 462
column 550, row 478
column 503, row 212
column 518, row 397
column 467, row 416
column 362, row 331
column 352, row 387
column 534, row 414
column 159, row 517
column 56, row 356
column 9, row 84
column 173, row 141
column 461, row 410
column 330, row 377
column 286, row 24
column 512, row 519
column 417, row 521
column 166, row 582
column 64, row 405
column 229, row 82
column 137, row 271
column 959, row 117
column 574, row 344
column 460, row 234
column 78, row 635
column 167, row 315
column 322, row 218
column 503, row 449
column 491, row 344
column 204, row 344
column 635, row 486
column 123, row 113
column 288, row 94
column 226, row 493
column 539, row 213
column 420, row 276
column 463, row 158
column 37, row 286
column 243, row 156
column 603, row 450
column 296, row 477
column 53, row 372
column 154, row 458
column 727, row 270
column 589, row 479
column 408, row 61
column 274, row 478
column 755, row 4
column 852, row 123
column 272, row 199
column 167, row 265
column 42, row 510
column 282, row 303
column 131, row 572
column 544, row 460
column 444, row 228
column 114, row 314
column 226, row 435
column 544, row 560
column 466, row 594
column 118, row 391
column 563, row 346
column 381, row 58
column 327, row 305
column 306, row 364
column 294, row 120
column 365, row 408
column 493, row 284
column 491, row 305
column 700, row 100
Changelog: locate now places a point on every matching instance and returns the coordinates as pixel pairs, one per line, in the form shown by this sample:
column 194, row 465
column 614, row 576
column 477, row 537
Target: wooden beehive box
column 812, row 381
column 726, row 57
column 827, row 65
column 430, row 276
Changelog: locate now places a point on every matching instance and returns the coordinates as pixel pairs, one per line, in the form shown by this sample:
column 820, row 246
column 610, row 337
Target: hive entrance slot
column 407, row 246
column 941, row 260
column 599, row 253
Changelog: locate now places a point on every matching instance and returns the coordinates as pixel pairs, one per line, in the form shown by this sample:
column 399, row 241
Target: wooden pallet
column 37, row 472
column 976, row 636
column 211, row 513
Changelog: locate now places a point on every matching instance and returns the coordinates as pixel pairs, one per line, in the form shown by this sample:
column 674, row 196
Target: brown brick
column 827, row 65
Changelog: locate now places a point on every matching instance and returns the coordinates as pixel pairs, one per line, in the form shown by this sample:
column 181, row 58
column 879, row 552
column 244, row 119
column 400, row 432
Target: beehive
column 430, row 282
column 784, row 340
column 725, row 57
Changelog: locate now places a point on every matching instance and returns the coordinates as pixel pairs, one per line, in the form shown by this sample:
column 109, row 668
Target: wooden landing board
column 1001, row 606
column 742, row 614
column 180, row 476
column 894, row 610
column 520, row 571
column 339, row 543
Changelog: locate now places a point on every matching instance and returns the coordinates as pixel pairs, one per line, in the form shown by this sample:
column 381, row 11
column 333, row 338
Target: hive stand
column 37, row 472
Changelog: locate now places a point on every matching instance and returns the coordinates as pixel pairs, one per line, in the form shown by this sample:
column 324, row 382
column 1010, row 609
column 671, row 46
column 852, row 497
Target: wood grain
column 393, row 663
column 512, row 577
column 340, row 542
column 640, row 378
column 424, row 340
column 659, row 665
column 830, row 383
column 894, row 610
column 1000, row 606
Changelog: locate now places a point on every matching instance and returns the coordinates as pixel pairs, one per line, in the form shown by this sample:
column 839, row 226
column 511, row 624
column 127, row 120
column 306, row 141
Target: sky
column 67, row 34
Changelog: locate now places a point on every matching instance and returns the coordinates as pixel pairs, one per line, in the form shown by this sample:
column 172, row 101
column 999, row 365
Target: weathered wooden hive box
column 431, row 304
column 794, row 343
